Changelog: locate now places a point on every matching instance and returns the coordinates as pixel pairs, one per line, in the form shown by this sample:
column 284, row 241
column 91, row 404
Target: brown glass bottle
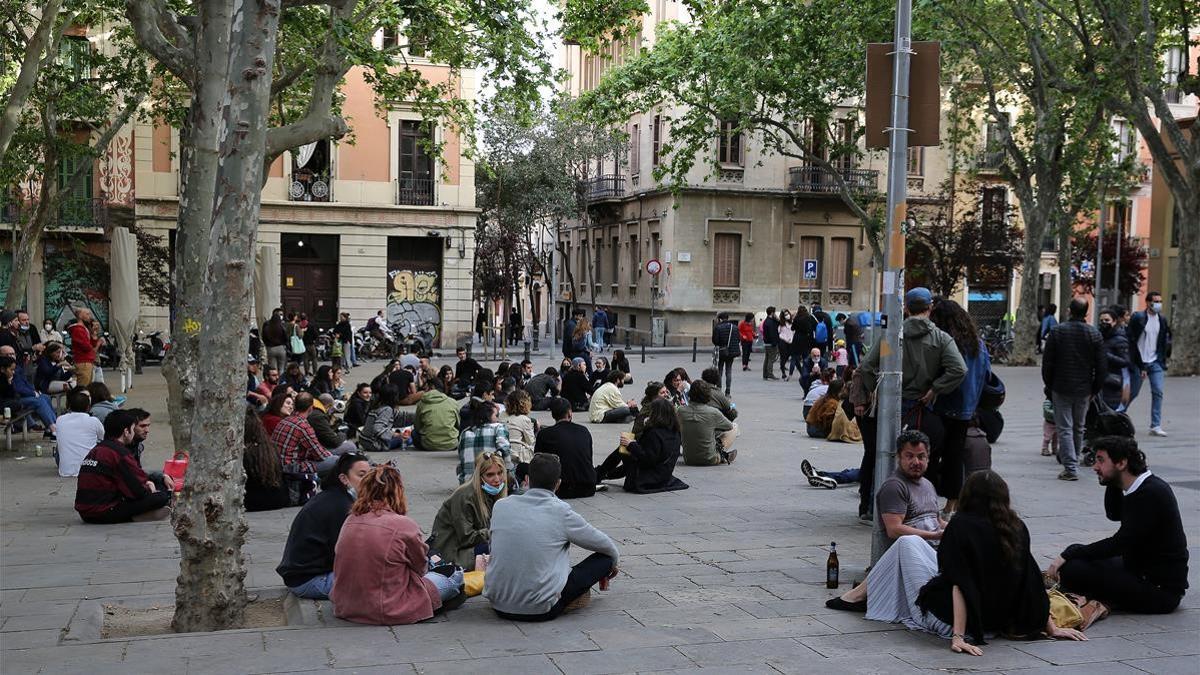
column 831, row 567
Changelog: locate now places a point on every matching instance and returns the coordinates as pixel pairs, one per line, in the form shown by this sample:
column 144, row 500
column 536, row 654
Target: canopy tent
column 266, row 283
column 123, row 295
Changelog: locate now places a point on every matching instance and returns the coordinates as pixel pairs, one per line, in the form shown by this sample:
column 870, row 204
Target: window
column 1173, row 68
column 994, row 141
column 74, row 54
column 75, row 205
column 995, row 206
column 418, row 45
column 845, row 132
column 916, row 161
column 811, row 248
column 614, row 254
column 598, row 253
column 1126, row 140
column 729, row 146
column 311, row 171
column 635, row 147
column 656, row 145
column 635, row 261
column 416, row 164
column 841, row 263
column 813, row 133
column 1118, row 217
column 391, row 37
column 727, row 260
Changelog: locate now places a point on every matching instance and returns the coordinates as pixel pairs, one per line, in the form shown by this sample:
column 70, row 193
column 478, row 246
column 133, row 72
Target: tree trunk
column 31, row 235
column 1185, row 307
column 1025, row 327
column 1066, row 286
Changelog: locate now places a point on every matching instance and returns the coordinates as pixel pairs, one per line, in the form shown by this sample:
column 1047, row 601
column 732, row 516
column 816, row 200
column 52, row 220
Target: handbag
column 1063, row 611
column 296, row 343
column 473, row 583
column 176, row 468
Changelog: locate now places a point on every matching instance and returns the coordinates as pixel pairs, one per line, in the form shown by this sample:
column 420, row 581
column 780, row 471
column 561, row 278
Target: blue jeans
column 316, row 588
column 1069, row 415
column 1155, row 373
column 45, row 412
column 349, row 355
column 448, row 586
column 598, row 337
column 841, row 477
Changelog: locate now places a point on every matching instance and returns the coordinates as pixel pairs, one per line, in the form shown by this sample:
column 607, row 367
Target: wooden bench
column 7, row 426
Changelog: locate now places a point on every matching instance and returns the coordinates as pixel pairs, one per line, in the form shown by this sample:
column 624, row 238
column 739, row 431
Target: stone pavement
column 727, row 576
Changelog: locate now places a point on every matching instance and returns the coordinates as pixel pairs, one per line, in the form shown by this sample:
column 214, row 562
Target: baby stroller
column 1102, row 420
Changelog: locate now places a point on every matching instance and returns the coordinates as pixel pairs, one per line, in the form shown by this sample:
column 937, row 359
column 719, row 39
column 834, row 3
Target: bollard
column 627, row 340
column 471, row 344
column 693, row 350
column 527, row 350
column 643, row 350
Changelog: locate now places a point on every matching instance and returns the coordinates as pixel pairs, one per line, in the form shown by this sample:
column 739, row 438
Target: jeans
column 725, row 370
column 598, row 338
column 842, row 477
column 448, row 586
column 1155, row 373
column 1069, row 415
column 277, row 357
column 619, row 415
column 770, row 354
column 583, row 576
column 794, row 364
column 349, row 356
column 747, row 349
column 42, row 408
column 316, row 588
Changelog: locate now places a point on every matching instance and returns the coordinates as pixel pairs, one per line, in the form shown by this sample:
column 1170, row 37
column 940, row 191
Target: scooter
column 149, row 349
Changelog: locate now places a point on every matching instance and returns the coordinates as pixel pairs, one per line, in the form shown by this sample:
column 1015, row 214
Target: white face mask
column 1156, row 306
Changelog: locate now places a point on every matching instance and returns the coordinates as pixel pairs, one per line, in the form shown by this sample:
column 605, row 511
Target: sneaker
column 822, row 482
column 866, row 518
column 601, row 487
column 731, row 456
column 580, row 602
column 807, row 469
column 1157, row 431
column 1046, row 452
column 1068, row 475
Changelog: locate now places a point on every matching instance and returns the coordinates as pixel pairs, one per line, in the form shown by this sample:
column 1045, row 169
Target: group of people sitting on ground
column 975, row 578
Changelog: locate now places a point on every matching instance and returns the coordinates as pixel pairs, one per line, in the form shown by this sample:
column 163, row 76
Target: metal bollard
column 693, row 350
column 643, row 350
column 628, row 339
column 527, row 350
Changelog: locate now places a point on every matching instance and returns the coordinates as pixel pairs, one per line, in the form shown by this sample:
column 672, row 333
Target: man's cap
column 919, row 296
column 251, row 359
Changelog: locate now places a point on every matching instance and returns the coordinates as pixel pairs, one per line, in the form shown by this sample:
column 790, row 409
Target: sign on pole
column 653, row 266
column 810, row 269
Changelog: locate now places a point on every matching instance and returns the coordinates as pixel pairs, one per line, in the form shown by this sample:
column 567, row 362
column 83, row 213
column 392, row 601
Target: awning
column 123, row 294
column 266, row 283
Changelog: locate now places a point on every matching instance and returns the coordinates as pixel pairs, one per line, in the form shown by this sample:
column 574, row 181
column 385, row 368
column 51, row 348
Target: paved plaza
column 726, row 577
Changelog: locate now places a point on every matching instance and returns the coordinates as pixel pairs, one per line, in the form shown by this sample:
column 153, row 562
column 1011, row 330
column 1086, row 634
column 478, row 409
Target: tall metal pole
column 1117, row 260
column 1097, row 288
column 888, row 393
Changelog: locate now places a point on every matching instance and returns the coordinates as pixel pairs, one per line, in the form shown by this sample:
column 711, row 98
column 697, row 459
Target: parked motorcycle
column 150, row 349
column 413, row 340
column 369, row 346
column 108, row 355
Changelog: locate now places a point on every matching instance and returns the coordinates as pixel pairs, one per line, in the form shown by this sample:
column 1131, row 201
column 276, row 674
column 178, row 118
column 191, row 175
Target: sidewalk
column 727, row 576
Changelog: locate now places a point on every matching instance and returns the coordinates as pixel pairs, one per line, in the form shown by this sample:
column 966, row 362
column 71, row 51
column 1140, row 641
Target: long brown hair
column 581, row 329
column 986, row 494
column 260, row 459
column 382, row 488
column 952, row 318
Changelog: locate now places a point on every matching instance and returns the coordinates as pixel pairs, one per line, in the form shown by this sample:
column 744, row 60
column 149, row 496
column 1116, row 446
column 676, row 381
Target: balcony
column 989, row 161
column 815, row 179
column 310, row 187
column 76, row 213
column 606, row 187
column 414, row 191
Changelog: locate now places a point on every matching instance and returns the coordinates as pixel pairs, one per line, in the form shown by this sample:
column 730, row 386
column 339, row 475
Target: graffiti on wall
column 414, row 301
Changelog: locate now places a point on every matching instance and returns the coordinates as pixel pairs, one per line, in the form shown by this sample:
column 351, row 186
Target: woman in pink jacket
column 381, row 567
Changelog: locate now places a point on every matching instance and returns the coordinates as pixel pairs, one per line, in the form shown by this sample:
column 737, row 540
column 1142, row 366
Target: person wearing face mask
column 1116, row 387
column 307, row 565
column 1150, row 347
column 461, row 529
column 50, row 333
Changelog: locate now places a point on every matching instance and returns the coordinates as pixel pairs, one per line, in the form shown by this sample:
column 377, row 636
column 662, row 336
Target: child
column 841, row 357
column 1049, row 431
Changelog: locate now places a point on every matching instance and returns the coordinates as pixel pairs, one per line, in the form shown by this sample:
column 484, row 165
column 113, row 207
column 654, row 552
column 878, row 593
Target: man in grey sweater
column 529, row 576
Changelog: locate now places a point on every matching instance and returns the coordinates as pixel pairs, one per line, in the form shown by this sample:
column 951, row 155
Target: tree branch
column 147, row 20
column 30, row 66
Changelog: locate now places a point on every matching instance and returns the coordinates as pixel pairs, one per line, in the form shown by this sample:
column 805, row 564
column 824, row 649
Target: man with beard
column 906, row 500
column 1143, row 567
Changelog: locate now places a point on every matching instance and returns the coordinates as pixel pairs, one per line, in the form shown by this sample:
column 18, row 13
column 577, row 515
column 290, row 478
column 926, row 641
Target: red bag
column 176, row 468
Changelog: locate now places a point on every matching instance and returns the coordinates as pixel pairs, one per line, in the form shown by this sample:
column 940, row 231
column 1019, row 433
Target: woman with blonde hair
column 583, row 336
column 461, row 529
column 521, row 427
column 381, row 563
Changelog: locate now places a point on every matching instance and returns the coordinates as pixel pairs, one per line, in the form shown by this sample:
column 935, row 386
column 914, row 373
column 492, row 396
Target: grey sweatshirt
column 531, row 534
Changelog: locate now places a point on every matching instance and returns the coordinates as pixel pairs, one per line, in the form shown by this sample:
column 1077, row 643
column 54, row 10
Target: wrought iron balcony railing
column 819, row 180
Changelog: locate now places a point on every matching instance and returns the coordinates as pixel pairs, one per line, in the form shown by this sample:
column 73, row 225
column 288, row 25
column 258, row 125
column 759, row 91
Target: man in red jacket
column 83, row 346
column 112, row 486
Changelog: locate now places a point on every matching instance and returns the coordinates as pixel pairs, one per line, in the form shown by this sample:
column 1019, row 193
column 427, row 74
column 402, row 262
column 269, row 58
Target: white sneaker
column 1157, row 431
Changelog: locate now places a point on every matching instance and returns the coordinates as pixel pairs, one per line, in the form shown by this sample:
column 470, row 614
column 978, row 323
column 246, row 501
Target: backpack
column 822, row 333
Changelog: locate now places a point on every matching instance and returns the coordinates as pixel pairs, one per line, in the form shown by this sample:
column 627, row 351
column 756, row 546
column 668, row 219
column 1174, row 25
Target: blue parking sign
column 810, row 269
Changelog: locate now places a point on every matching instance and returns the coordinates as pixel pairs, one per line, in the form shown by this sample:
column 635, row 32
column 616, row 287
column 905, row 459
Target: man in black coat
column 1143, row 567
column 1116, row 353
column 770, row 333
column 572, row 444
column 728, row 344
column 1073, row 369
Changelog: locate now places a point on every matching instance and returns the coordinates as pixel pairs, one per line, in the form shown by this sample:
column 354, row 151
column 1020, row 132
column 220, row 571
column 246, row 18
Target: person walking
column 599, row 328
column 1049, row 321
column 1150, row 347
column 770, row 337
column 725, row 339
column 1074, row 366
column 747, row 333
column 787, row 334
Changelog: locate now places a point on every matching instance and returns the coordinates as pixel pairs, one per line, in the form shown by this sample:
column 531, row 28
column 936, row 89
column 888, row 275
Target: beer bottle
column 831, row 567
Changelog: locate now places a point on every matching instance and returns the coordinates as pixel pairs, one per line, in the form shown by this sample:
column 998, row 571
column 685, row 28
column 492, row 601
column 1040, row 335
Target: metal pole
column 890, row 367
column 694, row 344
column 1117, row 260
column 1097, row 289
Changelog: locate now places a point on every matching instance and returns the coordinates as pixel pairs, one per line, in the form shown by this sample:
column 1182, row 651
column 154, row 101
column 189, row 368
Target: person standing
column 1150, row 342
column 787, row 335
column 725, row 339
column 770, row 336
column 599, row 327
column 1074, row 366
column 1115, row 392
column 805, row 327
column 83, row 347
column 1049, row 321
column 345, row 335
column 274, row 337
column 747, row 333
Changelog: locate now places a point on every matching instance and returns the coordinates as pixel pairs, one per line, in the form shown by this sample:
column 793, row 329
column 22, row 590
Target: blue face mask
column 492, row 490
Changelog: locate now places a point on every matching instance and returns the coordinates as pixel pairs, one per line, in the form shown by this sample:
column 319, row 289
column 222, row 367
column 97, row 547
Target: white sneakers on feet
column 1157, row 431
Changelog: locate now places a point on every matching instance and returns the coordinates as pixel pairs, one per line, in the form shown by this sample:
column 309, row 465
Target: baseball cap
column 918, row 296
column 578, row 360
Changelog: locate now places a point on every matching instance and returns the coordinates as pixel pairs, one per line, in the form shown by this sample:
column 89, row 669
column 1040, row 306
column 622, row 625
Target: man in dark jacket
column 307, row 565
column 572, row 444
column 1116, row 353
column 568, row 343
column 770, row 333
column 1073, row 369
column 1143, row 567
column 112, row 486
column 321, row 421
column 543, row 389
column 728, row 344
column 1149, row 349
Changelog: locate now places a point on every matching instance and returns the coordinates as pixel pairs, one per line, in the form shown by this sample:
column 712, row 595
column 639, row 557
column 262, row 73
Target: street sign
column 810, row 269
column 653, row 266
